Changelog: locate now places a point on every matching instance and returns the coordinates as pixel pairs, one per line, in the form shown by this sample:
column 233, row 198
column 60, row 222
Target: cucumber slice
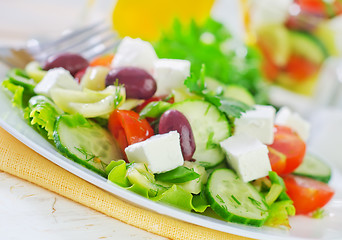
column 275, row 38
column 231, row 91
column 235, row 200
column 315, row 168
column 307, row 45
column 139, row 175
column 209, row 127
column 85, row 142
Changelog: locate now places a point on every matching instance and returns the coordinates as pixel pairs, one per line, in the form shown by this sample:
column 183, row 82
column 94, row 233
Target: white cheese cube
column 135, row 53
column 247, row 156
column 258, row 123
column 56, row 78
column 161, row 153
column 170, row 74
column 285, row 117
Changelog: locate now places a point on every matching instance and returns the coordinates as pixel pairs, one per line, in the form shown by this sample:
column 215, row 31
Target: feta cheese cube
column 247, row 156
column 161, row 153
column 56, row 78
column 258, row 123
column 135, row 53
column 170, row 74
column 286, row 117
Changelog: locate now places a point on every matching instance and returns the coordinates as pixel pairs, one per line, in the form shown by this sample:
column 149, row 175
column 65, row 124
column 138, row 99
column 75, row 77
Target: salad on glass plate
column 180, row 137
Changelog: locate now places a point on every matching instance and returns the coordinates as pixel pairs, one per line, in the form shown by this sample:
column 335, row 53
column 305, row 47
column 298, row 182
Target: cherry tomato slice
column 277, row 160
column 321, row 8
column 269, row 68
column 291, row 145
column 127, row 128
column 300, row 68
column 307, row 194
column 104, row 60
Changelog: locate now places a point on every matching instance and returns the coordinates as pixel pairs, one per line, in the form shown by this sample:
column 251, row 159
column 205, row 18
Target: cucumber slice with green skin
column 315, row 168
column 85, row 142
column 235, row 200
column 308, row 46
column 231, row 91
column 209, row 127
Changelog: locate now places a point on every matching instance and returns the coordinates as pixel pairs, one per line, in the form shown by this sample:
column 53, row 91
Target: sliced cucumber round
column 85, row 142
column 315, row 168
column 235, row 200
column 231, row 91
column 209, row 127
column 308, row 46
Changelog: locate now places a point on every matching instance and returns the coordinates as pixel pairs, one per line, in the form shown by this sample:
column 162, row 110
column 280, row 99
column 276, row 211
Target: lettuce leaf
column 227, row 60
column 42, row 114
column 279, row 213
column 177, row 196
column 180, row 174
column 140, row 181
column 17, row 93
column 19, row 86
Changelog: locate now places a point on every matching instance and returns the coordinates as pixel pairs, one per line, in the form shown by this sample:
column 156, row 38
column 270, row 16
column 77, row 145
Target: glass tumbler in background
column 295, row 37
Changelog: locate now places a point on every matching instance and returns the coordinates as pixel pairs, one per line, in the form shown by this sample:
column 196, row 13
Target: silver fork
column 89, row 41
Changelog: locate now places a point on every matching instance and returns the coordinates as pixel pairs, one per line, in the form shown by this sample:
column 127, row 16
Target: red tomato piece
column 127, row 128
column 300, row 68
column 104, row 60
column 320, row 7
column 269, row 68
column 291, row 145
column 307, row 194
column 277, row 160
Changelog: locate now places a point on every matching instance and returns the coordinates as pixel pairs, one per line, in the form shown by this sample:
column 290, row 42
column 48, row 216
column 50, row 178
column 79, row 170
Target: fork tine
column 101, row 49
column 69, row 36
column 71, row 43
column 95, row 41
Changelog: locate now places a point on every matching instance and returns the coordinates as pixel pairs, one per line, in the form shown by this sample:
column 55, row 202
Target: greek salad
column 150, row 126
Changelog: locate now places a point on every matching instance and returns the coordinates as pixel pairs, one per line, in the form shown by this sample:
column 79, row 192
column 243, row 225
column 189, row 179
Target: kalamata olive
column 69, row 61
column 172, row 120
column 138, row 83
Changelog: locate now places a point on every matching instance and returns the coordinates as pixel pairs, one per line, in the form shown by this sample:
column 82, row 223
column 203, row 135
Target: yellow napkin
column 21, row 161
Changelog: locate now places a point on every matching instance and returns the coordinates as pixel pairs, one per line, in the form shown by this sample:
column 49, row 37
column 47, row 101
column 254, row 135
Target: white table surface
column 28, row 211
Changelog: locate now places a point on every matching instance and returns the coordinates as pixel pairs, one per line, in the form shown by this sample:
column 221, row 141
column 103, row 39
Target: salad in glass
column 158, row 128
column 293, row 33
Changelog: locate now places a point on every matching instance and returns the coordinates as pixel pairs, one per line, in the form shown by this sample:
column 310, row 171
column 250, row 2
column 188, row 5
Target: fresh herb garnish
column 178, row 175
column 118, row 98
column 229, row 106
column 91, row 157
column 235, row 199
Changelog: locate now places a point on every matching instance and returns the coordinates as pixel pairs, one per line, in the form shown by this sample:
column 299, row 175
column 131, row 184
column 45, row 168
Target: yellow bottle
column 148, row 18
